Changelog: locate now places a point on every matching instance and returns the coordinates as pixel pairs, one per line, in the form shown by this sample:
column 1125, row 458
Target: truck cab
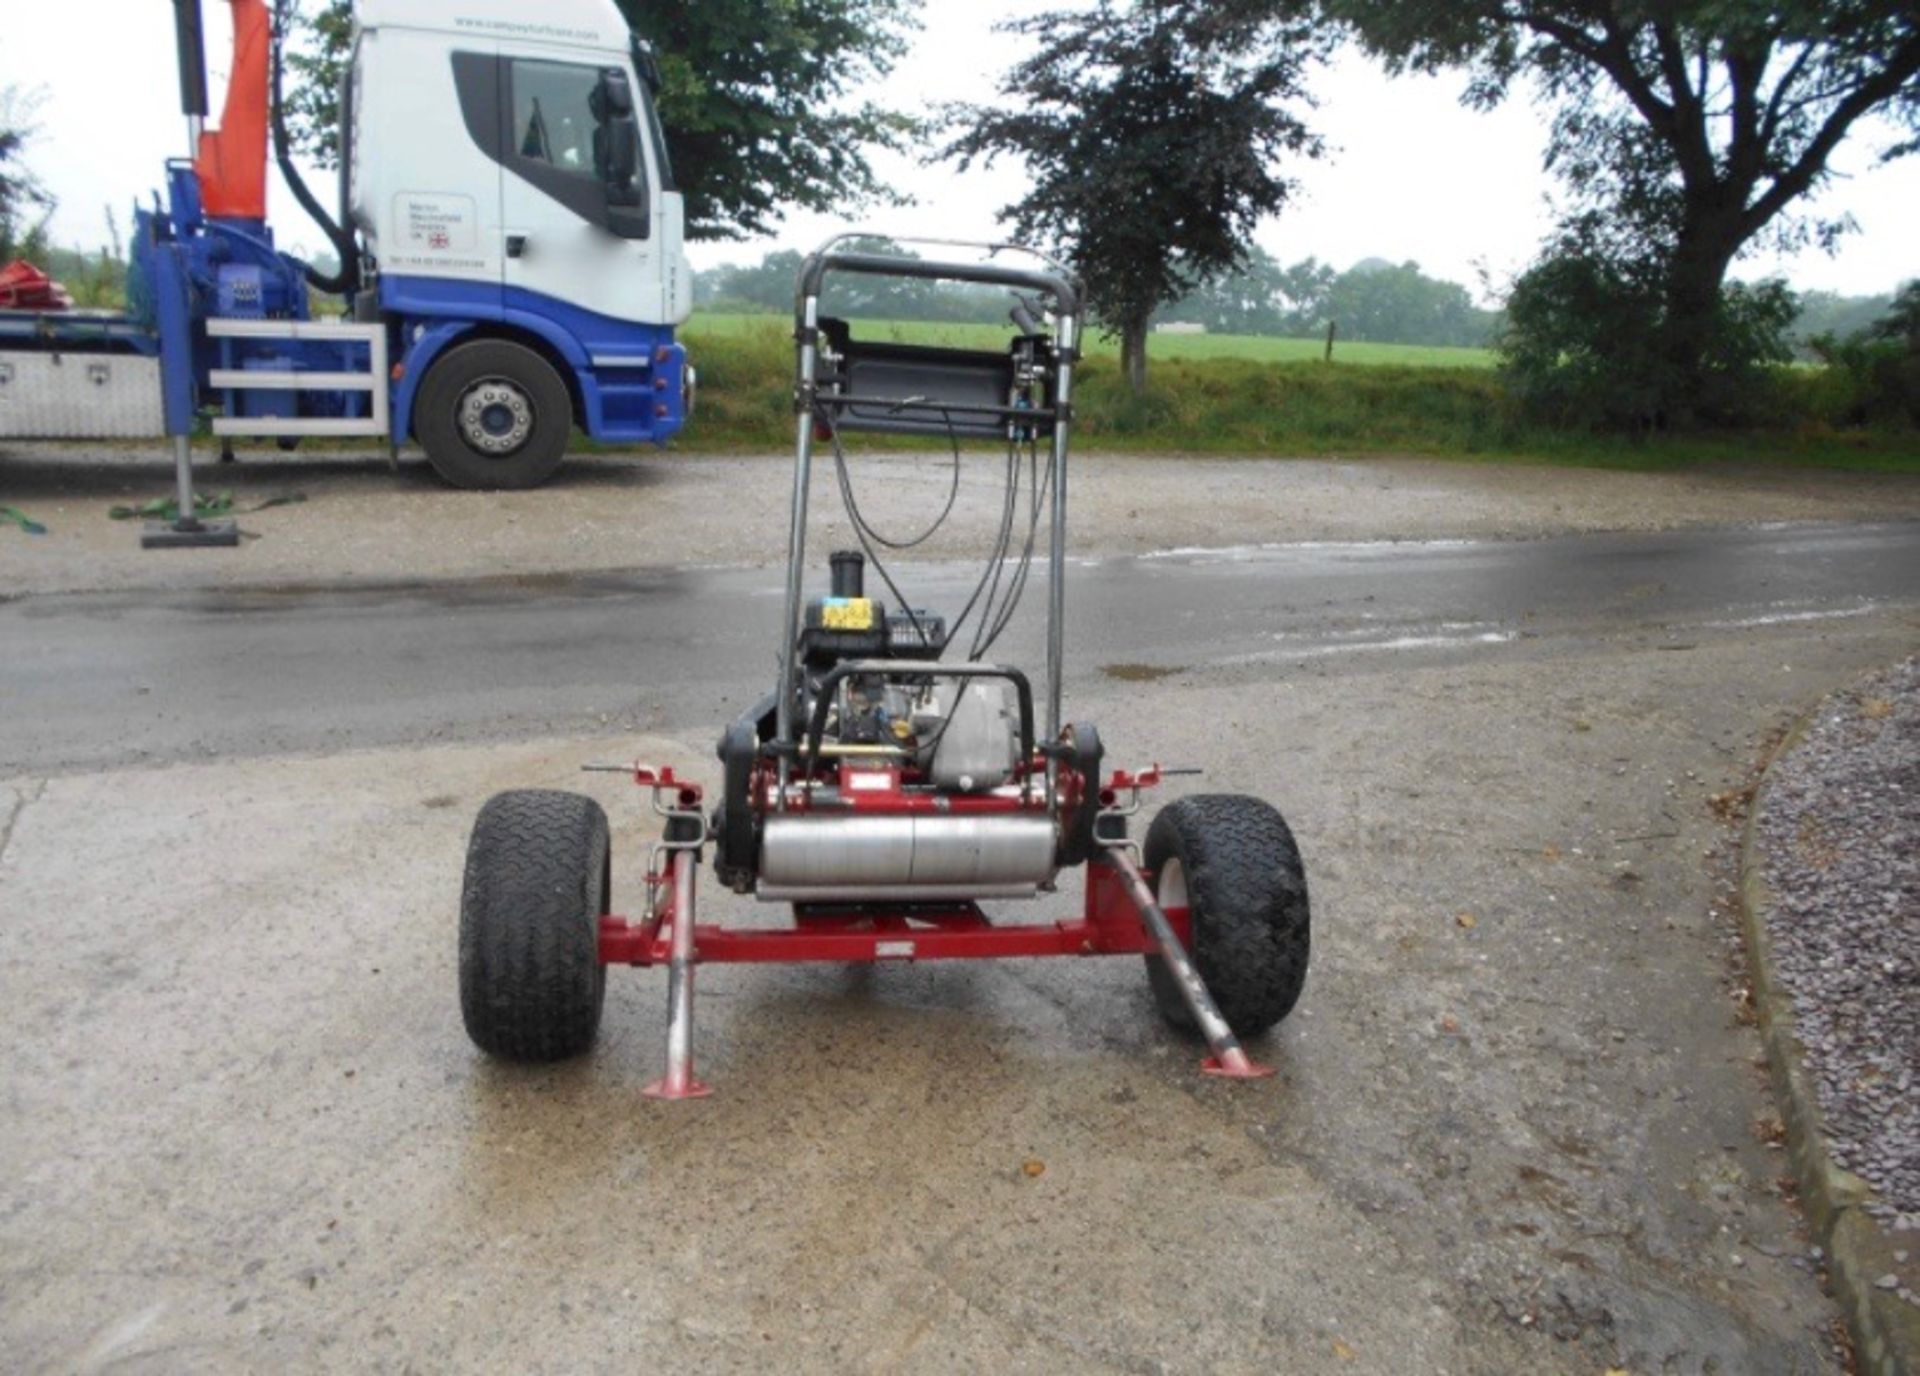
column 508, row 176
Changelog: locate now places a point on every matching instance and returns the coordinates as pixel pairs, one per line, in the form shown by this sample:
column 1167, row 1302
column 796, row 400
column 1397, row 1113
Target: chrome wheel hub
column 495, row 416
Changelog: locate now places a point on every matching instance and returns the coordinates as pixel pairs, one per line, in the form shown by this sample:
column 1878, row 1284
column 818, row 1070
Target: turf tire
column 531, row 981
column 1247, row 896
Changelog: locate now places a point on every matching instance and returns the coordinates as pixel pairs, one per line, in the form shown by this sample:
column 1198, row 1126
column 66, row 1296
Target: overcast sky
column 1412, row 174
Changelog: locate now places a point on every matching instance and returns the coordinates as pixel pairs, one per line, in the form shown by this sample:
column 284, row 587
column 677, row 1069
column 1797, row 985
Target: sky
column 1412, row 175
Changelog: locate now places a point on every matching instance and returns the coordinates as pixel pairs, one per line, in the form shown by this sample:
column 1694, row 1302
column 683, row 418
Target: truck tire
column 493, row 414
column 531, row 981
column 1232, row 862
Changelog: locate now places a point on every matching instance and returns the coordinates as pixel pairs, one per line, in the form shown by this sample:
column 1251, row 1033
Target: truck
column 510, row 246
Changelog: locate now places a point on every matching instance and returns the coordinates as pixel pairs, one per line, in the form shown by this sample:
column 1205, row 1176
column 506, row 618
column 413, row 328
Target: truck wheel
column 1232, row 863
column 531, row 981
column 493, row 414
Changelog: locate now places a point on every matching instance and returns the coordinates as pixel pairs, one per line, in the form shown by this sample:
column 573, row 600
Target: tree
column 1372, row 300
column 1901, row 324
column 1262, row 297
column 316, row 48
column 755, row 100
column 1150, row 130
column 1875, row 372
column 754, row 103
column 1399, row 304
column 768, row 286
column 25, row 204
column 1307, row 288
column 1690, row 127
column 1829, row 313
column 1584, row 343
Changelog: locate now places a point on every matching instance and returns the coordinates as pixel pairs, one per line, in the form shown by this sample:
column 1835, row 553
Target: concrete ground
column 1519, row 1124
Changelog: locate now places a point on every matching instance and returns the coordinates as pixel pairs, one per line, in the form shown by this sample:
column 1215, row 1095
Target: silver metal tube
column 796, row 542
column 680, row 976
column 1228, row 1057
column 188, row 518
column 893, row 893
column 195, row 123
column 1057, row 543
column 992, row 246
column 678, row 1083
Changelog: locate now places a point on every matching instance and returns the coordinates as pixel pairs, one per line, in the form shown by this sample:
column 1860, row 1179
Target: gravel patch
column 1841, row 840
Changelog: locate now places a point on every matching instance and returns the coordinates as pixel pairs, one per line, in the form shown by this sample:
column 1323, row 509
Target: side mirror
column 612, row 97
column 622, row 142
column 629, row 222
column 616, row 140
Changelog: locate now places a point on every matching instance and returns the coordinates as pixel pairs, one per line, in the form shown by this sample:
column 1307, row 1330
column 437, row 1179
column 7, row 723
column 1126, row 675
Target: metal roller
column 859, row 857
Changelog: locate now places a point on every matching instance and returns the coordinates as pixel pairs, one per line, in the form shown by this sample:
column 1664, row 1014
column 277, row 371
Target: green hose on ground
column 204, row 504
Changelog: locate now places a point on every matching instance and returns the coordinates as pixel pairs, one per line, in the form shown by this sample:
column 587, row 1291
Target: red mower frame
column 1119, row 916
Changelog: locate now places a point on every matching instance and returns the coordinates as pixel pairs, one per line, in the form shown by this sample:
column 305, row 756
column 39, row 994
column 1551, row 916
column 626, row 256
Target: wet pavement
column 215, row 673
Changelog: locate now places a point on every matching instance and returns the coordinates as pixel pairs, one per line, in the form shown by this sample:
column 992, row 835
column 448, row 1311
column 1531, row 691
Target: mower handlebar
column 1065, row 296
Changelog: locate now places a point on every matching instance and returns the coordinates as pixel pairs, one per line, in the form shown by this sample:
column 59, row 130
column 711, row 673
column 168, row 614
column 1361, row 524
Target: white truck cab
column 511, row 183
column 494, row 129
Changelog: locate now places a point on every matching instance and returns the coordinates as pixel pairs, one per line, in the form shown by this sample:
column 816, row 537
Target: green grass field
column 1255, row 348
column 1278, row 399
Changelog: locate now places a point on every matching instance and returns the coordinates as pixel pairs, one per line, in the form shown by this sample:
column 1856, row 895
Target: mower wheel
column 531, row 981
column 493, row 414
column 1232, row 863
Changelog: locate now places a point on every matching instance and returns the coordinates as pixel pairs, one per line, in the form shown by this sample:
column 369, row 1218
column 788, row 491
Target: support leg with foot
column 679, row 1082
column 1228, row 1060
column 186, row 530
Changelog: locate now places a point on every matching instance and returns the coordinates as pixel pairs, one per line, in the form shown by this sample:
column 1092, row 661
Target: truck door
column 581, row 200
column 426, row 173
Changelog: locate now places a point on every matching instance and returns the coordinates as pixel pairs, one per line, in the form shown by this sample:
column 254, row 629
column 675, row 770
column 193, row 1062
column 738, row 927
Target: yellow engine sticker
column 847, row 614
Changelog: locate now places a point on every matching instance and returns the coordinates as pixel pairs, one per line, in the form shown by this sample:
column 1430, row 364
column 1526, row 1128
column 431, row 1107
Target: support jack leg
column 186, row 530
column 679, row 1081
column 1228, row 1061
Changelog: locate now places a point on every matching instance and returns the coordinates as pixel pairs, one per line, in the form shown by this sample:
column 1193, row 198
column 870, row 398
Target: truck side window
column 551, row 118
column 565, row 138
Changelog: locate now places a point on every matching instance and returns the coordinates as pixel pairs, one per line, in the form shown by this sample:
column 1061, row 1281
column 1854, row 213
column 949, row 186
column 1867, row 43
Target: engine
column 959, row 734
column 885, row 728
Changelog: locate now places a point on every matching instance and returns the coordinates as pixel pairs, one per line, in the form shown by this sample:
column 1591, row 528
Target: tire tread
column 531, row 982
column 1247, row 896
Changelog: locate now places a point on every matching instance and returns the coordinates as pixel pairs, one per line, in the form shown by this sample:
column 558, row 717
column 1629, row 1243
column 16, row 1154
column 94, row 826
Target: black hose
column 953, row 492
column 996, row 561
column 191, row 49
column 867, row 536
column 347, row 279
column 997, row 612
column 1039, row 489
